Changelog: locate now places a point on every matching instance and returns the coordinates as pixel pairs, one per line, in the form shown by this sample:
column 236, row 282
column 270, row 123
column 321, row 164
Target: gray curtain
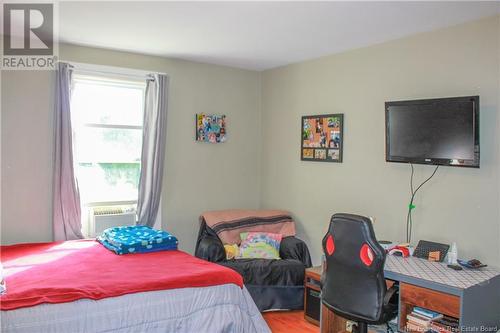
column 153, row 149
column 67, row 222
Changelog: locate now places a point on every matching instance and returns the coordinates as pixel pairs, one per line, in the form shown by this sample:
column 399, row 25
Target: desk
column 472, row 296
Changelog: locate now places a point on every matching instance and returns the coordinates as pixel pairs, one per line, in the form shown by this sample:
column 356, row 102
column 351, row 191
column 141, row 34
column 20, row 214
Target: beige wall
column 498, row 103
column 198, row 176
column 250, row 171
column 458, row 204
column 26, row 137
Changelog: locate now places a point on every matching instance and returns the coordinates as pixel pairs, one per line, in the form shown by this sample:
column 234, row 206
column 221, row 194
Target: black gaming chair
column 353, row 284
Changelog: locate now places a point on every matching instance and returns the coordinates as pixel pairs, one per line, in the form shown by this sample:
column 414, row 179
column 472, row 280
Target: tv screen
column 442, row 131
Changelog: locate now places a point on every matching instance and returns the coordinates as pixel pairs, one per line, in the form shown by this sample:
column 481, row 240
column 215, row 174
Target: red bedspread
column 66, row 271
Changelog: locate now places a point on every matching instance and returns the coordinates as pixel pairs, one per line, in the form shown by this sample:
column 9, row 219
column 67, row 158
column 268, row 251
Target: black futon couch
column 272, row 283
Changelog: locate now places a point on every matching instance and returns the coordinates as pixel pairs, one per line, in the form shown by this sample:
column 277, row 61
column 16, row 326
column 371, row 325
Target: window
column 107, row 116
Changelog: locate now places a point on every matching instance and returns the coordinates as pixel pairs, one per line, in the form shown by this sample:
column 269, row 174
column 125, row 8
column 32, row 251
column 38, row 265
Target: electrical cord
column 409, row 220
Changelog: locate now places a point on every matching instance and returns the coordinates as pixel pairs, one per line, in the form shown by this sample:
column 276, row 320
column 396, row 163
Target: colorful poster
column 322, row 138
column 211, row 128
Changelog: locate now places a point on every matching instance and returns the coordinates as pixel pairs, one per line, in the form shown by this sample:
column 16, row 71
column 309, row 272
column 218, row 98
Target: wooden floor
column 289, row 322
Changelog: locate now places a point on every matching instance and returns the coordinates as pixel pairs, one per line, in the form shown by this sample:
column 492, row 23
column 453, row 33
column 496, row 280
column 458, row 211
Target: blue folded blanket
column 137, row 239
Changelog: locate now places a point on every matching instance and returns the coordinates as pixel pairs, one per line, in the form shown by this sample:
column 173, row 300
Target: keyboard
column 431, row 251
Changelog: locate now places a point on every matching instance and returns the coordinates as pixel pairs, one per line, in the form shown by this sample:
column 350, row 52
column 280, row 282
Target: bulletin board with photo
column 322, row 138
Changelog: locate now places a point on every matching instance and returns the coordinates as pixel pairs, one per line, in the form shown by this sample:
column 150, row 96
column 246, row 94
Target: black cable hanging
column 411, row 206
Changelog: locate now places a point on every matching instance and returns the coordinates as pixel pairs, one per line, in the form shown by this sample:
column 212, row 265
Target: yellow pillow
column 232, row 251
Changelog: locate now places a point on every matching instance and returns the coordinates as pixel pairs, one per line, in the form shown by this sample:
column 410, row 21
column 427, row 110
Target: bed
column 79, row 286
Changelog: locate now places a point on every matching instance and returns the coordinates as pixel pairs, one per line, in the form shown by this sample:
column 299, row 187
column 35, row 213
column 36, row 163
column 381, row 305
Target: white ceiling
column 254, row 35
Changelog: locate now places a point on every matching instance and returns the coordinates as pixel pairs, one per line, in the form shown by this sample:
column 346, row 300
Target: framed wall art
column 322, row 138
column 211, row 128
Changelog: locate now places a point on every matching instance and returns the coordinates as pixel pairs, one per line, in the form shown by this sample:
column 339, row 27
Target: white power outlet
column 349, row 325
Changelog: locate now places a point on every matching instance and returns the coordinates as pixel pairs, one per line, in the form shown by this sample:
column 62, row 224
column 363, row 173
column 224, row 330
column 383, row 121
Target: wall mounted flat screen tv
column 442, row 131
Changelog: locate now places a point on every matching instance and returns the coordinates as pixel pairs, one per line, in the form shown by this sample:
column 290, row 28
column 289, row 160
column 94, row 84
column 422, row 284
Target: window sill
column 110, row 203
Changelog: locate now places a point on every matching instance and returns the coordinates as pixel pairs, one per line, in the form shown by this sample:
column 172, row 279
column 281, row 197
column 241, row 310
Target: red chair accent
column 366, row 254
column 330, row 245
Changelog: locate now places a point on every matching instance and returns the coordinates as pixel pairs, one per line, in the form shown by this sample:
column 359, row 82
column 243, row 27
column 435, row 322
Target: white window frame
column 87, row 72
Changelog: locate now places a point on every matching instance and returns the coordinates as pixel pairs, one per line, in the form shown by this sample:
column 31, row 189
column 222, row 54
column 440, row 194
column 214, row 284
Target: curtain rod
column 110, row 70
column 123, row 75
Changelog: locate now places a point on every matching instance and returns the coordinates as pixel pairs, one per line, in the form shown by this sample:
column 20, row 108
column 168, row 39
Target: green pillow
column 261, row 245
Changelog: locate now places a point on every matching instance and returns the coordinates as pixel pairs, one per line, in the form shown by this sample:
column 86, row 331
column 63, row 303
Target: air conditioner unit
column 102, row 218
